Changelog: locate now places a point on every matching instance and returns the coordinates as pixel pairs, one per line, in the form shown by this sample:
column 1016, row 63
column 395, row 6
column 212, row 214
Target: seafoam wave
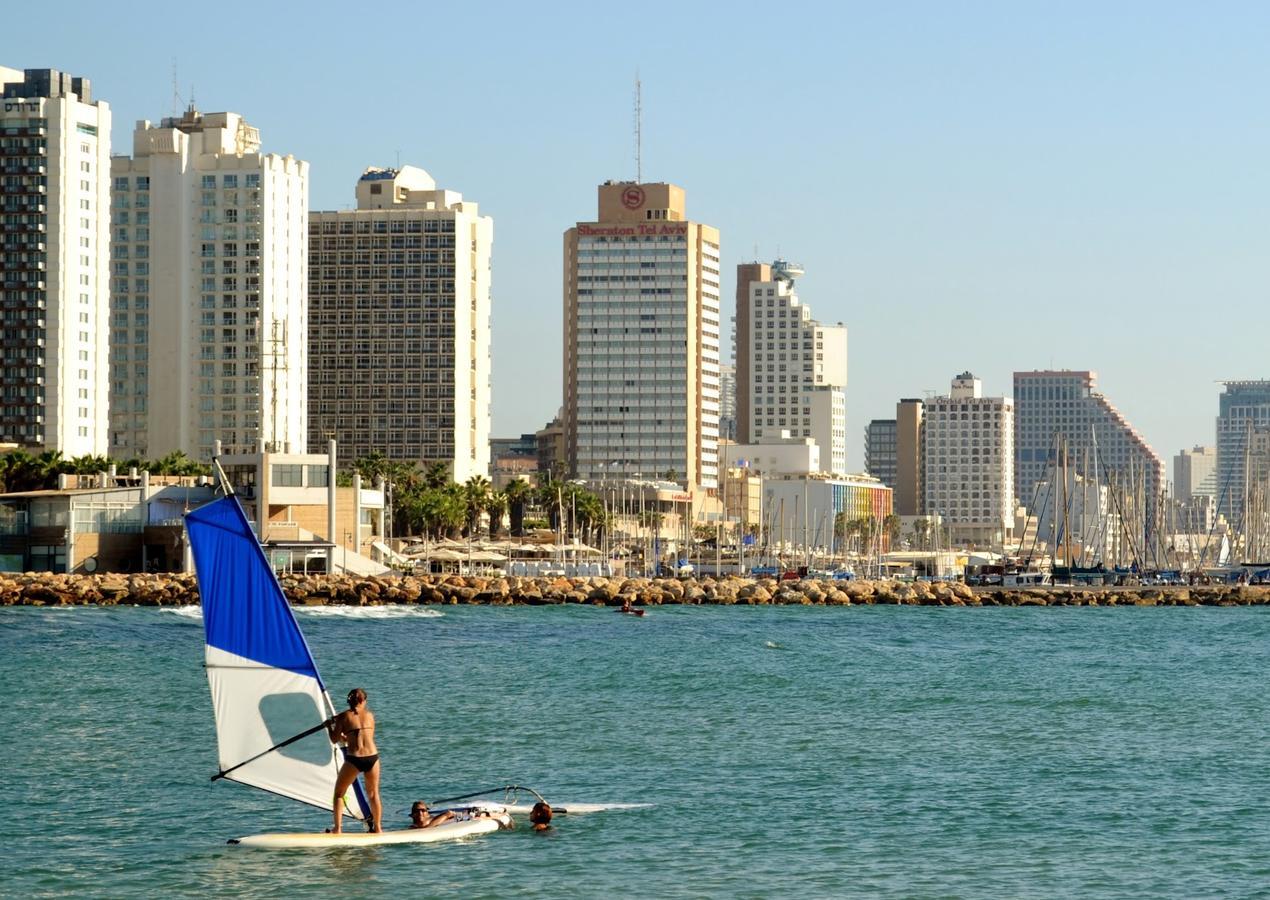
column 371, row 612
column 194, row 611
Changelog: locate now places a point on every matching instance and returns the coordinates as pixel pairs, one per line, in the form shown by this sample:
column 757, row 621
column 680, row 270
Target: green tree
column 475, row 497
column 437, row 475
column 496, row 505
column 518, row 493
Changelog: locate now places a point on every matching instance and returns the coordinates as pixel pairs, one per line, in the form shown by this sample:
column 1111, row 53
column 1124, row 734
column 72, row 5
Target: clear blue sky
column 984, row 186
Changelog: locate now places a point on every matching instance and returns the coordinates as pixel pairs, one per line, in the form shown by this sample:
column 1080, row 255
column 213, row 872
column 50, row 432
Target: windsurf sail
column 265, row 685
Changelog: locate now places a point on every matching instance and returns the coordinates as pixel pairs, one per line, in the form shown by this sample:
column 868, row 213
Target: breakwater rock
column 47, row 589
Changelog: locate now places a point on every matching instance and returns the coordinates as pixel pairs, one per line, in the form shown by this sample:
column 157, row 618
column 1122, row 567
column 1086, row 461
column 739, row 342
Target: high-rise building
column 1054, row 404
column 727, row 402
column 746, row 274
column 968, row 477
column 641, row 338
column 798, row 368
column 879, row 450
column 209, row 332
column 54, row 263
column 908, row 458
column 1243, row 412
column 399, row 324
column 1195, row 473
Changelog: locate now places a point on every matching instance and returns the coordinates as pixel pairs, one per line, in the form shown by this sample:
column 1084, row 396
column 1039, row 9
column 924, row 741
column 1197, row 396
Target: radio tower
column 639, row 116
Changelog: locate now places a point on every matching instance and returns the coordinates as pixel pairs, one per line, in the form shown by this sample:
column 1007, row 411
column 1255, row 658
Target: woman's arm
column 335, row 728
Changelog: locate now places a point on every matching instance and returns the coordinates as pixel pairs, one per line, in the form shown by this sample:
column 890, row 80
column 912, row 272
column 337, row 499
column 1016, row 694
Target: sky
column 969, row 185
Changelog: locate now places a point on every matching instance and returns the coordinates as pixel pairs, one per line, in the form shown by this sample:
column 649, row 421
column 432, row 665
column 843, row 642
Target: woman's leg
column 372, row 795
column 343, row 781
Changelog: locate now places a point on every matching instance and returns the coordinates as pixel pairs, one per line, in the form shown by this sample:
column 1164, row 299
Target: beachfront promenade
column 46, row 589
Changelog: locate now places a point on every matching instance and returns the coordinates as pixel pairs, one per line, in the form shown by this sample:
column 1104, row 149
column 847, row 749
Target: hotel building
column 54, row 262
column 209, row 311
column 399, row 324
column 968, row 476
column 641, row 339
column 797, row 368
column 1049, row 404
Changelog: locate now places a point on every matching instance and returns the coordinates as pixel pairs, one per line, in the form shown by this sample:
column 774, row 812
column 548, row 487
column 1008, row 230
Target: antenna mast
column 639, row 117
column 176, row 92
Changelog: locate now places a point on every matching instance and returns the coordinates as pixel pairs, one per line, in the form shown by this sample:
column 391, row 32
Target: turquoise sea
column 870, row 751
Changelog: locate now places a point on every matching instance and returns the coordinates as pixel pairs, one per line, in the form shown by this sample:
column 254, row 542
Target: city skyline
column 1051, row 190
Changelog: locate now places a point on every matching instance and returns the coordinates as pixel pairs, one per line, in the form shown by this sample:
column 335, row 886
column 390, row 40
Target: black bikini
column 362, row 763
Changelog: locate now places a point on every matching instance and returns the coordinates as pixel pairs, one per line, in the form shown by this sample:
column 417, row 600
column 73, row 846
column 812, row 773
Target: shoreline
column 49, row 589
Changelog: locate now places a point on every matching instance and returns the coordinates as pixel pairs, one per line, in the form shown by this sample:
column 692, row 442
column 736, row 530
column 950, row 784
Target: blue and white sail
column 265, row 684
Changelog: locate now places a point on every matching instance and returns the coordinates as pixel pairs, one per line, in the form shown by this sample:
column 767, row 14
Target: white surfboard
column 446, row 832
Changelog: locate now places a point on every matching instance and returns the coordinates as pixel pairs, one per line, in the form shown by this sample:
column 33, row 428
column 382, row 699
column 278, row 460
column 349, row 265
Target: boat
column 271, row 706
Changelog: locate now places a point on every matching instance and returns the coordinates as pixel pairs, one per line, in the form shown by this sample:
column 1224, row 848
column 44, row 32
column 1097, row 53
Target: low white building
column 784, row 455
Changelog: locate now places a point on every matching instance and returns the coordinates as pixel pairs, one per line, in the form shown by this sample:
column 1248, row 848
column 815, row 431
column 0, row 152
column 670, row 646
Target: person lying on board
column 355, row 727
column 421, row 818
column 540, row 816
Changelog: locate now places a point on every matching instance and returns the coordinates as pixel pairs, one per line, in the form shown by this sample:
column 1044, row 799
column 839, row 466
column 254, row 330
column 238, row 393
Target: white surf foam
column 371, row 612
column 194, row 611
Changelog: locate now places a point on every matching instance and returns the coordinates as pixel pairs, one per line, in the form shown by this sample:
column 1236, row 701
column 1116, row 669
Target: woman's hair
column 356, row 696
column 540, row 814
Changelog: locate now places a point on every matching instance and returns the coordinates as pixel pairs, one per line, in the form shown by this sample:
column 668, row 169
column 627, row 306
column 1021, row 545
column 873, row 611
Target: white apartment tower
column 641, row 339
column 798, row 369
column 399, row 324
column 54, row 259
column 209, row 317
column 968, row 467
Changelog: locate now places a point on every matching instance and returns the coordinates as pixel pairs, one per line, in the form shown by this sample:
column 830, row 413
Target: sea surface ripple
column 872, row 752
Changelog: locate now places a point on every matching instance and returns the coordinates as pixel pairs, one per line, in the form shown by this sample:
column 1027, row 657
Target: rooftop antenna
column 176, row 91
column 639, row 120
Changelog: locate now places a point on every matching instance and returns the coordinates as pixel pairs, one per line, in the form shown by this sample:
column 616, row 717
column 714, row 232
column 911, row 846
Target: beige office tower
column 641, row 339
column 746, row 274
column 54, row 259
column 908, row 458
column 399, row 324
column 209, row 335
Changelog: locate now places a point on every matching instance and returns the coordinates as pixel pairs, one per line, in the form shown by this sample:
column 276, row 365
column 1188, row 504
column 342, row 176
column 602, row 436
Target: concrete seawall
column 46, row 589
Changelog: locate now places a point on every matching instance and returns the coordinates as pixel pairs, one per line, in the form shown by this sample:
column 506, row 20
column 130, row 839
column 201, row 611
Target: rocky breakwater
column 45, row 589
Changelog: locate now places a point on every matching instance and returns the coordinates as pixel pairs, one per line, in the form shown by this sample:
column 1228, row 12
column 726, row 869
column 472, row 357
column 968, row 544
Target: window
column 288, row 475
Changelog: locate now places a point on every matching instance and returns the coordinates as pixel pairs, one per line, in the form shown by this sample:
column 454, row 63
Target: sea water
column 823, row 752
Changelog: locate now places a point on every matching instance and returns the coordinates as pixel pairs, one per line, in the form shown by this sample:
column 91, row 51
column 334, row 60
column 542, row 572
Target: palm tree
column 442, row 511
column 48, row 465
column 496, row 505
column 437, row 474
column 518, row 493
column 476, row 495
column 89, row 464
column 372, row 466
column 177, row 463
